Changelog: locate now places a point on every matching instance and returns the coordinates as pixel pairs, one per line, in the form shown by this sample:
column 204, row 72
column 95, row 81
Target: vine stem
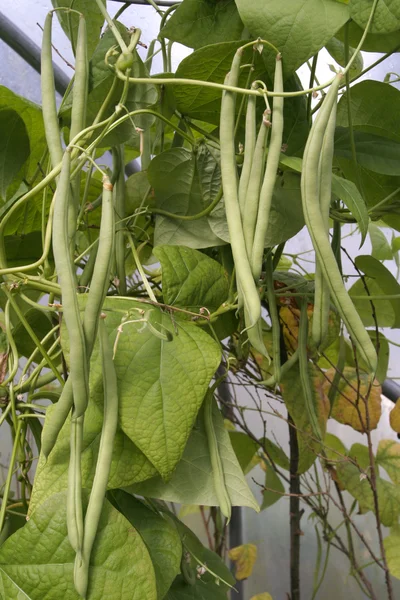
column 295, row 513
column 10, row 473
column 112, row 26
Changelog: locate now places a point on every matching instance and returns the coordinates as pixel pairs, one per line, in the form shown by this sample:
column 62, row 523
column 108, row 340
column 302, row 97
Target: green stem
column 7, row 486
column 112, row 26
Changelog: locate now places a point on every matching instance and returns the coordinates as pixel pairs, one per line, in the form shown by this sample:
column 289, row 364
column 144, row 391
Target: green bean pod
column 320, row 321
column 103, row 465
column 316, row 228
column 305, row 380
column 254, row 184
column 229, row 183
column 78, row 357
column 216, row 462
column 267, row 189
column 275, row 324
column 119, row 202
column 49, row 108
column 74, row 498
column 95, row 298
column 249, row 147
column 285, row 368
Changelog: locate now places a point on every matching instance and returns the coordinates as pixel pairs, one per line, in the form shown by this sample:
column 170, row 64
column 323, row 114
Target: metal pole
column 29, row 51
column 146, row 3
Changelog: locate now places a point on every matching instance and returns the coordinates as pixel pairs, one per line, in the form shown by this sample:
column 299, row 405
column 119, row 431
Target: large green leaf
column 192, row 481
column 245, row 448
column 374, row 152
column 159, row 534
column 384, row 312
column 384, row 278
column 374, row 109
column 37, row 562
column 392, row 550
column 41, row 325
column 94, row 20
column 295, row 402
column 386, row 17
column 31, row 114
column 285, row 23
column 14, row 147
column 337, row 50
column 161, row 383
column 190, row 279
column 180, row 590
column 25, row 248
column 185, row 183
column 197, row 23
column 128, row 465
column 348, row 192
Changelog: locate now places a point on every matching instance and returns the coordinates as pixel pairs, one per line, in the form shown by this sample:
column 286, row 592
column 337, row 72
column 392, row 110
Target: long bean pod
column 267, row 189
column 103, row 465
column 95, row 299
column 49, row 108
column 254, row 184
column 305, row 379
column 316, row 228
column 320, row 321
column 275, row 324
column 216, row 462
column 249, row 147
column 229, row 183
column 74, row 497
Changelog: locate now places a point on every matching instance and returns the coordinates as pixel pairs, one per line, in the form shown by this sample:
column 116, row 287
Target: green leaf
column 374, row 42
column 159, row 534
column 392, row 551
column 180, row 590
column 336, row 49
column 192, row 481
column 26, row 248
column 128, row 465
column 244, row 447
column 348, row 192
column 41, row 325
column 212, row 63
column 93, row 16
column 14, row 147
column 31, row 114
column 185, row 183
column 274, row 489
column 276, row 454
column 386, row 17
column 381, row 249
column 383, row 355
column 285, row 24
column 360, row 454
column 161, row 383
column 296, row 404
column 388, row 457
column 374, row 109
column 190, row 279
column 374, row 152
column 198, row 23
column 359, row 487
column 386, row 281
column 334, row 447
column 384, row 312
column 37, row 562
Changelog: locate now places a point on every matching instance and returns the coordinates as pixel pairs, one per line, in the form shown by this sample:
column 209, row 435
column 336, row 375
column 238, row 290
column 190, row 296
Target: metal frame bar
column 14, row 37
column 146, row 3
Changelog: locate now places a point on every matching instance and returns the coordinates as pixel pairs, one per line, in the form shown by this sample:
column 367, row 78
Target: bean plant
column 158, row 319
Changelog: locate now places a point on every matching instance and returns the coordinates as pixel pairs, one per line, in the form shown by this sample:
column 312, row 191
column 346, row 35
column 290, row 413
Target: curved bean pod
column 320, row 321
column 306, row 385
column 316, row 228
column 74, row 497
column 267, row 189
column 103, row 465
column 275, row 324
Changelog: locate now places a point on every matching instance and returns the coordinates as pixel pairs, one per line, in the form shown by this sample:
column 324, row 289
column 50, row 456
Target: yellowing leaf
column 244, row 557
column 263, row 596
column 188, row 509
column 394, row 417
column 388, row 456
column 392, row 549
column 350, row 406
column 290, row 317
